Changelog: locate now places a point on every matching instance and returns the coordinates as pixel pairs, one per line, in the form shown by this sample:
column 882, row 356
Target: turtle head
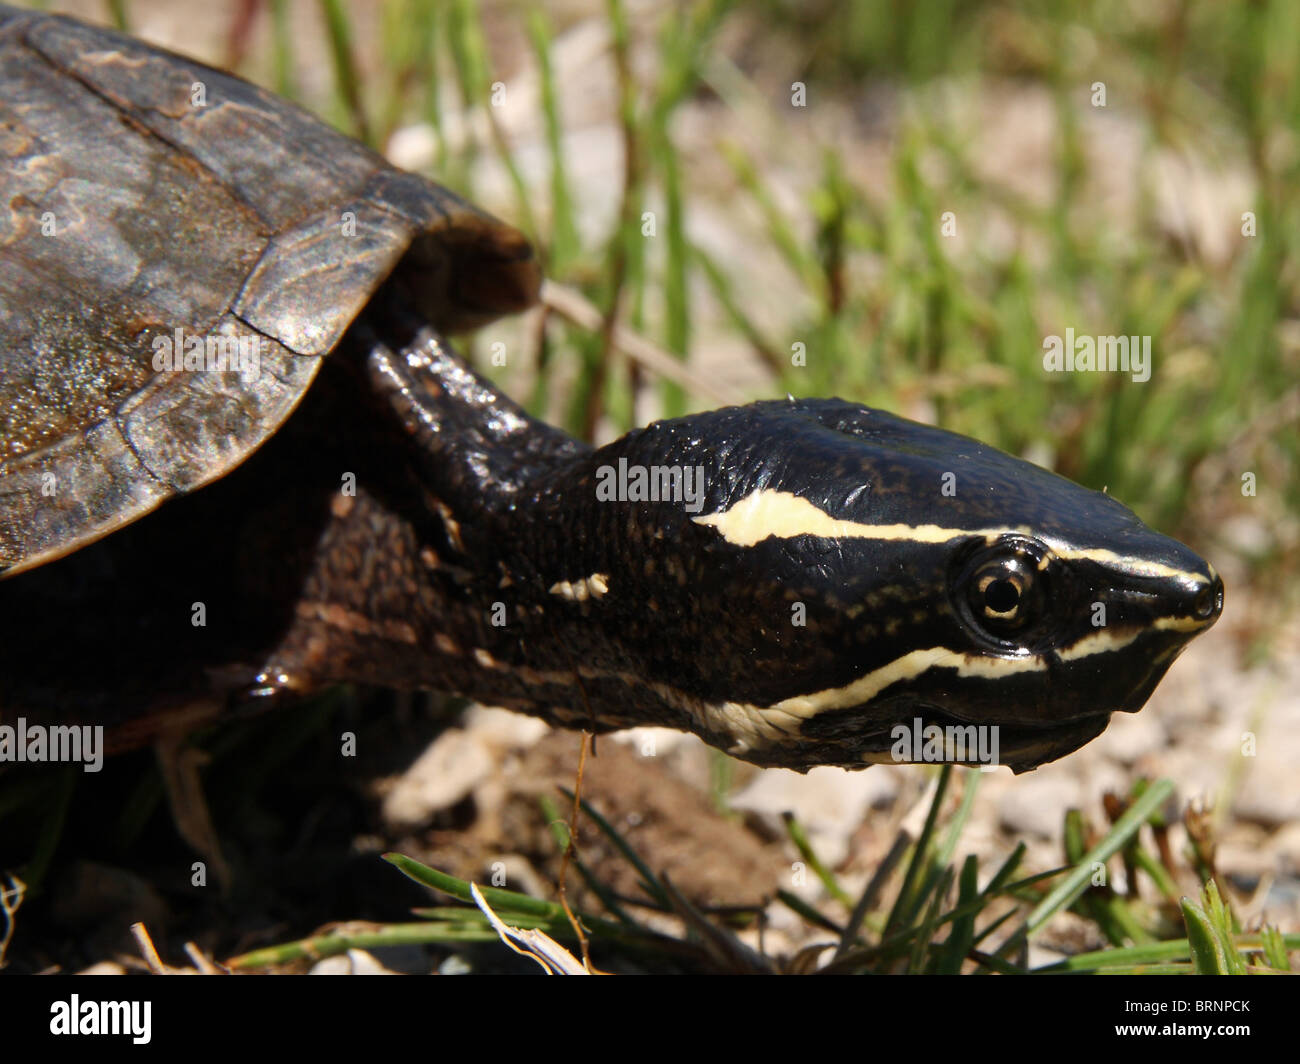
column 868, row 589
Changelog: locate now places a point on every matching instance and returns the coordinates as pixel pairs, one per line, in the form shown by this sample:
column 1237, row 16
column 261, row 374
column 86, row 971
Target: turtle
column 240, row 462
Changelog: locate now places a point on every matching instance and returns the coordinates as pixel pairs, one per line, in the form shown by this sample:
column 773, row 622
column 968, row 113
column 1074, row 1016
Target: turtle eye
column 1003, row 591
column 1001, row 595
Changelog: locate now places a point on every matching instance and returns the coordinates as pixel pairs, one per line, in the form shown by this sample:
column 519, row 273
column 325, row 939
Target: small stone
column 1038, row 803
column 1130, row 737
column 354, row 962
column 452, row 766
column 502, row 730
column 1269, row 795
column 103, row 968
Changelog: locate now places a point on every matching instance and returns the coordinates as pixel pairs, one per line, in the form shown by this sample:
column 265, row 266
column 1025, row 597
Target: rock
column 1130, row 737
column 1036, row 805
column 103, row 968
column 445, row 773
column 354, row 962
column 502, row 730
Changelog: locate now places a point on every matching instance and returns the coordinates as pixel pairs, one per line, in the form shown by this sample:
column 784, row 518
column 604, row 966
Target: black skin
column 305, row 586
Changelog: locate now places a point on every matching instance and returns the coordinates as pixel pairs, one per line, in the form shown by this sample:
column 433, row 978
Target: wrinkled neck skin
column 469, row 559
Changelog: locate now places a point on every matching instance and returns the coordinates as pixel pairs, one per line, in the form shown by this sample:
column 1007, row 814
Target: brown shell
column 151, row 204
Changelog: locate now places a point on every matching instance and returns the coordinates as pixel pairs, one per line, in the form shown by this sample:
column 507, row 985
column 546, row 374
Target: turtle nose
column 1208, row 603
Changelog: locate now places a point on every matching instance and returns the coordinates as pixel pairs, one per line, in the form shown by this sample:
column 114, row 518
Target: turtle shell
column 178, row 251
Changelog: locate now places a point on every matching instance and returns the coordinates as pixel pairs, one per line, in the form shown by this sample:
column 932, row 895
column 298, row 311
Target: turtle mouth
column 932, row 735
column 922, row 733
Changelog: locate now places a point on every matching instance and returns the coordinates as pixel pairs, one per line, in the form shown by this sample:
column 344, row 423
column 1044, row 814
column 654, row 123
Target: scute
column 306, row 289
column 141, row 194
